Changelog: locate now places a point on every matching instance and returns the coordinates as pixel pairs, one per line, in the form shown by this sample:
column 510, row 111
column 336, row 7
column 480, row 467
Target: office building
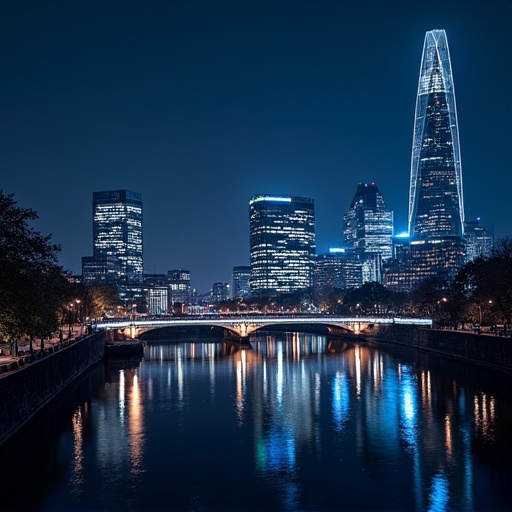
column 479, row 240
column 178, row 282
column 157, row 300
column 368, row 223
column 220, row 292
column 241, row 287
column 436, row 206
column 282, row 243
column 346, row 269
column 100, row 270
column 117, row 232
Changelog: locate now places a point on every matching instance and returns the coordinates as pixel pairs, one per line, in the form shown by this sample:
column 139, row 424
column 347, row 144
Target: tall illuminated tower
column 368, row 223
column 282, row 239
column 436, row 207
column 117, row 231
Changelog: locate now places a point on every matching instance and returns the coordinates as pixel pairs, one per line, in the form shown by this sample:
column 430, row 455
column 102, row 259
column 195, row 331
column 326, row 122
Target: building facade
column 282, row 243
column 346, row 269
column 479, row 239
column 436, row 206
column 180, row 291
column 241, row 287
column 220, row 292
column 157, row 300
column 368, row 223
column 117, row 231
column 100, row 270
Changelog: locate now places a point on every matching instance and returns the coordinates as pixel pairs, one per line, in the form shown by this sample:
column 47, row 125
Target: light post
column 70, row 320
column 79, row 316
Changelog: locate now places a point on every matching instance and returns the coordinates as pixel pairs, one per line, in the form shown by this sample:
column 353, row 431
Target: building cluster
column 283, row 256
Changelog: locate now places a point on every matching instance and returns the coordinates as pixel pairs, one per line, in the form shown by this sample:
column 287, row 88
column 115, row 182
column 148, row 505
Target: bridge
column 244, row 325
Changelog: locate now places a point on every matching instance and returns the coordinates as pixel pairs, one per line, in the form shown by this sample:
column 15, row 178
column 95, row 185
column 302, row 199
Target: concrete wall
column 492, row 351
column 25, row 391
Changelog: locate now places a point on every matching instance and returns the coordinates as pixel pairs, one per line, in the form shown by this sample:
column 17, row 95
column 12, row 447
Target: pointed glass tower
column 435, row 248
column 436, row 208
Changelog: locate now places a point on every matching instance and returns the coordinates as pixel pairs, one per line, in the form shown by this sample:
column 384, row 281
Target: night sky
column 199, row 105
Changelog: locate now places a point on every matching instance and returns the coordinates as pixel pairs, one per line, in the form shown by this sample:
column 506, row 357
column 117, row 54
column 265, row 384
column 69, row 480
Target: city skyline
column 198, row 106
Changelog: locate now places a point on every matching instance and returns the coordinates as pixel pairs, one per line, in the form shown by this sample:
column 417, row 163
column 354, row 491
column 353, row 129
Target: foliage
column 100, row 300
column 486, row 285
column 31, row 282
column 374, row 299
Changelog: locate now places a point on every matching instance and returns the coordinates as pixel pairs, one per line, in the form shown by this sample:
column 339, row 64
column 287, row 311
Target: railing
column 216, row 319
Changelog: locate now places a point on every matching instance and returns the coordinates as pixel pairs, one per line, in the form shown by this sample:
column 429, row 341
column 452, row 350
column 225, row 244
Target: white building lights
column 282, row 243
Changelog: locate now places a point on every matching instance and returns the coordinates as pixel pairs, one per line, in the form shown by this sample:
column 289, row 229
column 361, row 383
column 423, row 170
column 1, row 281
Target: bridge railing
column 217, row 319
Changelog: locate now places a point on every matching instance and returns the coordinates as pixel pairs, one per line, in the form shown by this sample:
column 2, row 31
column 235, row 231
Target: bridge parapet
column 244, row 326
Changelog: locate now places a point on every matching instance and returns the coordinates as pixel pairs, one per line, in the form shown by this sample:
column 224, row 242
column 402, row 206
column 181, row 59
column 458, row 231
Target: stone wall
column 25, row 391
column 492, row 351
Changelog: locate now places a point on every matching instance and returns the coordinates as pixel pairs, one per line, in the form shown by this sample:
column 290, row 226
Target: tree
column 100, row 299
column 30, row 278
column 374, row 299
column 486, row 284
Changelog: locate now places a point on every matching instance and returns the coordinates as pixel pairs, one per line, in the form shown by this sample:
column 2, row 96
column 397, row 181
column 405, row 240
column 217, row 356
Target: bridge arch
column 246, row 325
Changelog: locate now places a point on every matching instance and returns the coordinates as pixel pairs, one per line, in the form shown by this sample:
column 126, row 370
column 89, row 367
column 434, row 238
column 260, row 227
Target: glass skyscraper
column 436, row 208
column 282, row 243
column 117, row 231
column 179, row 287
column 241, row 279
column 368, row 223
column 479, row 239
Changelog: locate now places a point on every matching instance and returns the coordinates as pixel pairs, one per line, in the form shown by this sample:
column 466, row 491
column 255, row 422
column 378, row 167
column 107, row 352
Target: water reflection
column 299, row 421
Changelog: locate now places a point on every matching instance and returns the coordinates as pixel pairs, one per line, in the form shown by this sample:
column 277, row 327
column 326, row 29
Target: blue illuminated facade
column 436, row 206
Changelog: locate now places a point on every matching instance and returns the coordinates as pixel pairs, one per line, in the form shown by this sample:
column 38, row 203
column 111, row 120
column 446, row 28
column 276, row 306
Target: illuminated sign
column 256, row 199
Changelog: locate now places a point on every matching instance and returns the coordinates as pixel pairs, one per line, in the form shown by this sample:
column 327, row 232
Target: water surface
column 298, row 422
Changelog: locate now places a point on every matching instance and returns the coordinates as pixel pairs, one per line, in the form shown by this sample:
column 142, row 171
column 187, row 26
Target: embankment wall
column 492, row 351
column 25, row 391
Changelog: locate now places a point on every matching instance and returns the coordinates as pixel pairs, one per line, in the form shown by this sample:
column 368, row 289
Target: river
column 297, row 422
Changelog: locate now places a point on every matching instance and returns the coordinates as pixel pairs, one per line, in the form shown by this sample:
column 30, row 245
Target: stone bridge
column 245, row 325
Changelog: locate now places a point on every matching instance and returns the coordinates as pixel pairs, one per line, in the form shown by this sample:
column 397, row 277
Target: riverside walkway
column 9, row 362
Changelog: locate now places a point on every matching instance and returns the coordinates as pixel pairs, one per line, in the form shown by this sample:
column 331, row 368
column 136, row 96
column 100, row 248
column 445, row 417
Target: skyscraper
column 282, row 243
column 368, row 223
column 179, row 287
column 117, row 231
column 479, row 239
column 241, row 277
column 436, row 208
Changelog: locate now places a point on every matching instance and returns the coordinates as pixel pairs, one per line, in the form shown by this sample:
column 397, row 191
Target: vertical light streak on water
column 448, row 438
column 340, row 400
column 239, row 401
column 295, row 347
column 468, row 468
column 317, row 393
column 179, row 364
column 122, row 403
column 78, row 455
column 358, row 371
column 409, row 427
column 136, row 433
column 265, row 381
column 280, row 375
column 439, row 494
column 211, row 366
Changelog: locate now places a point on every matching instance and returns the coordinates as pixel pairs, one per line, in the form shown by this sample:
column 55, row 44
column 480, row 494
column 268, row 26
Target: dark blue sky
column 199, row 105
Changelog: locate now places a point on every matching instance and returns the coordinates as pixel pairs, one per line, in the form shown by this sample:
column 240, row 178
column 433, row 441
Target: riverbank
column 29, row 386
column 484, row 349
